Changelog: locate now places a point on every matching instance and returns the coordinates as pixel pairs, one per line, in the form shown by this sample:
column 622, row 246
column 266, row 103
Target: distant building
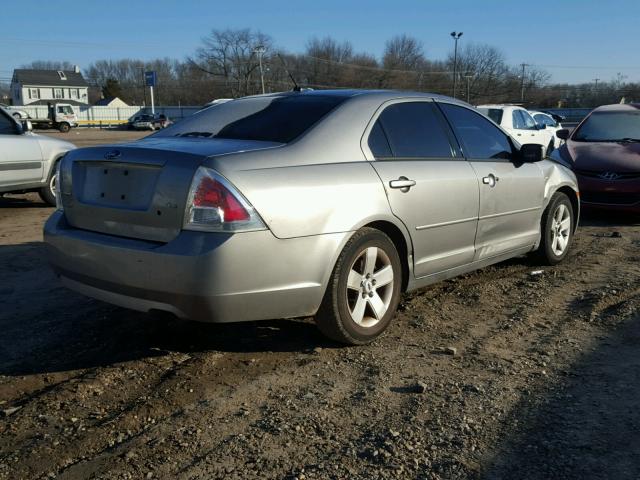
column 38, row 87
column 110, row 102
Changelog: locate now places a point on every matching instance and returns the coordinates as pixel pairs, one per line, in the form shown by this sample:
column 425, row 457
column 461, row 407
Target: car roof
column 498, row 106
column 618, row 107
column 353, row 92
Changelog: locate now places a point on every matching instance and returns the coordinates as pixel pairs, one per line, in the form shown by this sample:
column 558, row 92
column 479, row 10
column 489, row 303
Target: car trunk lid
column 137, row 190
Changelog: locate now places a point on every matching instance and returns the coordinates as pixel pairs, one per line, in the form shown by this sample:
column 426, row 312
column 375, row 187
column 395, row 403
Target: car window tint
column 480, row 138
column 494, row 114
column 414, row 131
column 378, row 143
column 7, row 126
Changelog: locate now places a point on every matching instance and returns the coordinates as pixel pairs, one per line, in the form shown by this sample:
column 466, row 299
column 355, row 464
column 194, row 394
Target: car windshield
column 609, row 127
column 279, row 119
column 494, row 114
column 145, row 118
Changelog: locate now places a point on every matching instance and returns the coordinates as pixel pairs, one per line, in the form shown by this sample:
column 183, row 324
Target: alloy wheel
column 560, row 229
column 370, row 286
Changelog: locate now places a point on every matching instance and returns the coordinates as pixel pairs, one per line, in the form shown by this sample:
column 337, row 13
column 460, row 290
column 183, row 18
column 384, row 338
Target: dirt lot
column 544, row 382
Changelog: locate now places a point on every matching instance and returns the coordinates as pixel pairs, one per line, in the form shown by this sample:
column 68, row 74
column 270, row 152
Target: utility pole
column 468, row 77
column 456, row 36
column 596, row 80
column 260, row 49
column 523, row 65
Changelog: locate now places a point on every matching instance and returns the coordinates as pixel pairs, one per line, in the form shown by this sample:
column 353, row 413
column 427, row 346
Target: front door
column 20, row 155
column 511, row 194
column 433, row 191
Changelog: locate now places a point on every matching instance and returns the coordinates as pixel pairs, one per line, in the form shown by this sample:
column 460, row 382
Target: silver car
column 28, row 162
column 319, row 203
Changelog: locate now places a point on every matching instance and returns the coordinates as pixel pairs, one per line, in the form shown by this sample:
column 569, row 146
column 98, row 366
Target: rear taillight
column 214, row 205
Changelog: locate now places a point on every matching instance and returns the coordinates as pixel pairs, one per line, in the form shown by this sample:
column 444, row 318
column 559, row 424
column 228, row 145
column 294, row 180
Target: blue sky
column 560, row 36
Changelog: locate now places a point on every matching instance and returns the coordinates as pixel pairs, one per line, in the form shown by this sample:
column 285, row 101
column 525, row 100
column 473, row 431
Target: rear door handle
column 403, row 183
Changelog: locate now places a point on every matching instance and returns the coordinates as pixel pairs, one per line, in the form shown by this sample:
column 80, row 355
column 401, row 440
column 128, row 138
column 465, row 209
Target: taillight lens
column 214, row 205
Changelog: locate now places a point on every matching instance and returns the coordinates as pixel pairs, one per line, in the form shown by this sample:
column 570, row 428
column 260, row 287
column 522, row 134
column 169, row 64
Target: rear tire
column 363, row 291
column 556, row 230
column 17, row 116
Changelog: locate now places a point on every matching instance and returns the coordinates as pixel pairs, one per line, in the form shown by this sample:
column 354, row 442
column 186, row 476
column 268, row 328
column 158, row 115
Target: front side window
column 518, row 121
column 529, row 122
column 279, row 119
column 7, row 126
column 480, row 139
column 413, row 130
column 609, row 127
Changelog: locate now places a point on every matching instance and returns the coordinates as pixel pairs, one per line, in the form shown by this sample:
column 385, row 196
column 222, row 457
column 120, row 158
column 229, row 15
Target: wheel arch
column 400, row 241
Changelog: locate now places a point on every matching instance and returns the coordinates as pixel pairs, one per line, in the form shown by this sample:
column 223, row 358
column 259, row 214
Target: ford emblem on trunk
column 112, row 154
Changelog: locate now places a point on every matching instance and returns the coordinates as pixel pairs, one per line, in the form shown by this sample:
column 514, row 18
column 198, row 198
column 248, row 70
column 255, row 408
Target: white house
column 38, row 87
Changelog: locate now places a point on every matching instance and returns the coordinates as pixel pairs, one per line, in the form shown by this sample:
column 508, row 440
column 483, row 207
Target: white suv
column 28, row 161
column 519, row 123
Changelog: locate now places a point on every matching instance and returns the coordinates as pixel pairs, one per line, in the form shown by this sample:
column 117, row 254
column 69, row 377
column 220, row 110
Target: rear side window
column 494, row 114
column 479, row 137
column 378, row 143
column 412, row 130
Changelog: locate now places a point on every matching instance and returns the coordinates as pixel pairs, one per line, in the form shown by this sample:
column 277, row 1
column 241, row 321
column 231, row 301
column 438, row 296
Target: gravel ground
column 499, row 374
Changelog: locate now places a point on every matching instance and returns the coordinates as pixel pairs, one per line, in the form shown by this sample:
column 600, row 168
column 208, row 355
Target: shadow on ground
column 588, row 425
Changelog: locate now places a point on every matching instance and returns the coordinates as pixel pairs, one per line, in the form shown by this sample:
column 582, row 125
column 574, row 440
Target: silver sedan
column 316, row 203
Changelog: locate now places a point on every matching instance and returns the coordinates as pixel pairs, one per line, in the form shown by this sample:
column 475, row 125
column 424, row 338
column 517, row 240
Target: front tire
column 363, row 291
column 64, row 127
column 556, row 230
column 48, row 192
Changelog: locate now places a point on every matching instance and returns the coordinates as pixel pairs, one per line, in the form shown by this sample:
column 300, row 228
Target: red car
column 604, row 152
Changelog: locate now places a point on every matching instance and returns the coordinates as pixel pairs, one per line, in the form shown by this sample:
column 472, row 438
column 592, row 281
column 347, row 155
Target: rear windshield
column 609, row 127
column 268, row 119
column 494, row 114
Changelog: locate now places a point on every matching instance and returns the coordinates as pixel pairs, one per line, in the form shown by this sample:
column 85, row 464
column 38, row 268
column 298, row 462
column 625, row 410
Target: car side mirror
column 26, row 126
column 563, row 133
column 530, row 153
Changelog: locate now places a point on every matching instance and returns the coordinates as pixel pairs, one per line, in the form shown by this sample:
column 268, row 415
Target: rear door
column 430, row 188
column 511, row 193
column 20, row 155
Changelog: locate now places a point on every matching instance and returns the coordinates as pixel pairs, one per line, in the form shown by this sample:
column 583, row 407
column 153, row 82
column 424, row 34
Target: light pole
column 456, row 36
column 259, row 50
column 468, row 77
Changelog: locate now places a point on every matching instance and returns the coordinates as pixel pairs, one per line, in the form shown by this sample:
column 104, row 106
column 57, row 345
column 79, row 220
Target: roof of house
column 108, row 101
column 49, row 78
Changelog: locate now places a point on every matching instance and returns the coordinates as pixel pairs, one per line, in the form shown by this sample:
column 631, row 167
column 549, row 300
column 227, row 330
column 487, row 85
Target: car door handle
column 403, row 183
column 490, row 180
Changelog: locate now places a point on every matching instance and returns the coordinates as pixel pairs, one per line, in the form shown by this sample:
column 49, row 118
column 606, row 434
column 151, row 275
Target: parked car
column 551, row 124
column 520, row 125
column 149, row 122
column 28, row 162
column 605, row 153
column 15, row 112
column 324, row 203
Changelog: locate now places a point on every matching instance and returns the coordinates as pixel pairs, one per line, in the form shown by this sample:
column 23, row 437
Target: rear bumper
column 201, row 276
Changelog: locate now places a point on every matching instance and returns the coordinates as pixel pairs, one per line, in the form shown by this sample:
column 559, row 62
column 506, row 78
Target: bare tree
column 49, row 65
column 229, row 55
column 404, row 60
